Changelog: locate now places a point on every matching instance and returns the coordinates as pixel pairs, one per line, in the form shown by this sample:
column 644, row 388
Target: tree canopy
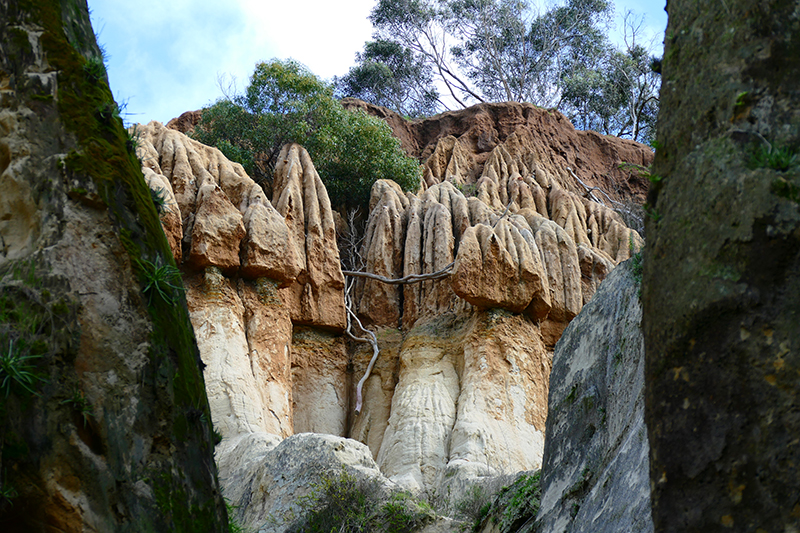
column 505, row 50
column 391, row 75
column 284, row 102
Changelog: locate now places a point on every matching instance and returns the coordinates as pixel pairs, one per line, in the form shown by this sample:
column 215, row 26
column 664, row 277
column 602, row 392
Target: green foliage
column 344, row 504
column 786, row 189
column 767, row 156
column 233, row 525
column 18, row 370
column 80, row 404
column 653, row 213
column 474, row 505
column 514, row 504
column 391, row 75
column 514, row 50
column 612, row 91
column 109, row 112
column 132, row 138
column 27, row 317
column 160, row 200
column 95, row 68
column 162, row 280
column 469, row 189
column 284, row 102
column 7, row 495
column 637, row 265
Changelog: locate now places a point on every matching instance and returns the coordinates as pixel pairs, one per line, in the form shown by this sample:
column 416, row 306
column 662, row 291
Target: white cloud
column 165, row 57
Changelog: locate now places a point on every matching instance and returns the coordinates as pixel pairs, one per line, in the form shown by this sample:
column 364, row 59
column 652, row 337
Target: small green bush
column 474, row 505
column 95, row 68
column 343, row 504
column 80, row 404
column 160, row 197
column 18, row 370
column 767, row 156
column 513, row 505
column 233, row 524
column 160, row 280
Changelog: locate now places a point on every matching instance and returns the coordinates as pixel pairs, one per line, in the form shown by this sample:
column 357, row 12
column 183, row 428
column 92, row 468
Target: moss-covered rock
column 722, row 276
column 112, row 431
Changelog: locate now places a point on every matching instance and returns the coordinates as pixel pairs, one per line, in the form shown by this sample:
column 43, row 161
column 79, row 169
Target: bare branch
column 352, row 317
column 590, row 189
column 411, row 278
column 372, row 340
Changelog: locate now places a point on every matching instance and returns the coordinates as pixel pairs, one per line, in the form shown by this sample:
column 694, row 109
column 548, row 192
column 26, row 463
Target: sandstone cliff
column 460, row 388
column 104, row 423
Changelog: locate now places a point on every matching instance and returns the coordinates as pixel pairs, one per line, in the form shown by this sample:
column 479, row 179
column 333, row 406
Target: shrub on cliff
column 343, row 503
column 284, row 102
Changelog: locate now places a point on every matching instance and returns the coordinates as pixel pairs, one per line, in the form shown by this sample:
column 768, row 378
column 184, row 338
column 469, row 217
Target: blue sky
column 166, row 56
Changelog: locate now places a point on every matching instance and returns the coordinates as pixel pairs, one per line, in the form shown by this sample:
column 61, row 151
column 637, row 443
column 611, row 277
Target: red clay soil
column 594, row 158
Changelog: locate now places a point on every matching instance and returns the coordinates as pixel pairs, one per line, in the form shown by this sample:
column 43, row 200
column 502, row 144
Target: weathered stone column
column 722, row 271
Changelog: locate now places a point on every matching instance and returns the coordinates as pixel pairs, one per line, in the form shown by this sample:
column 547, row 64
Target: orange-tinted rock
column 216, row 232
column 496, row 267
column 317, row 297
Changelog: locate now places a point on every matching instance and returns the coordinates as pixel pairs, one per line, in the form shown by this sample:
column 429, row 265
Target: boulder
column 266, row 482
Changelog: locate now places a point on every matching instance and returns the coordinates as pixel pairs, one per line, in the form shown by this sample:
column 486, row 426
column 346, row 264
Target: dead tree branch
column 411, row 278
column 372, row 339
column 354, row 258
column 590, row 189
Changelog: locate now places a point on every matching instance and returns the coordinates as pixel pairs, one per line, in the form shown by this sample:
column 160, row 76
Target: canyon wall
column 521, row 241
column 104, row 423
column 595, row 474
column 722, row 271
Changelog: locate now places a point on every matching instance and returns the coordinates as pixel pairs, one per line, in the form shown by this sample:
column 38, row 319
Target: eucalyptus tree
column 491, row 50
column 612, row 90
column 391, row 75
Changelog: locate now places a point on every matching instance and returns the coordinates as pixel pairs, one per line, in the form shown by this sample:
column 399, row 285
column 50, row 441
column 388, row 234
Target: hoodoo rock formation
column 514, row 223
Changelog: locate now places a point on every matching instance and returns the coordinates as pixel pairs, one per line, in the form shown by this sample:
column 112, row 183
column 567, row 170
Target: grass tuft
column 767, row 156
column 161, row 280
column 18, row 369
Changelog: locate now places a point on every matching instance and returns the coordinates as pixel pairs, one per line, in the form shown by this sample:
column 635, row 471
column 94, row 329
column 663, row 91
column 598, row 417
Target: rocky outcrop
column 104, row 420
column 457, row 145
column 266, row 479
column 554, row 247
column 595, row 471
column 253, row 272
column 473, row 378
column 459, row 389
column 315, row 297
column 469, row 402
column 720, row 290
